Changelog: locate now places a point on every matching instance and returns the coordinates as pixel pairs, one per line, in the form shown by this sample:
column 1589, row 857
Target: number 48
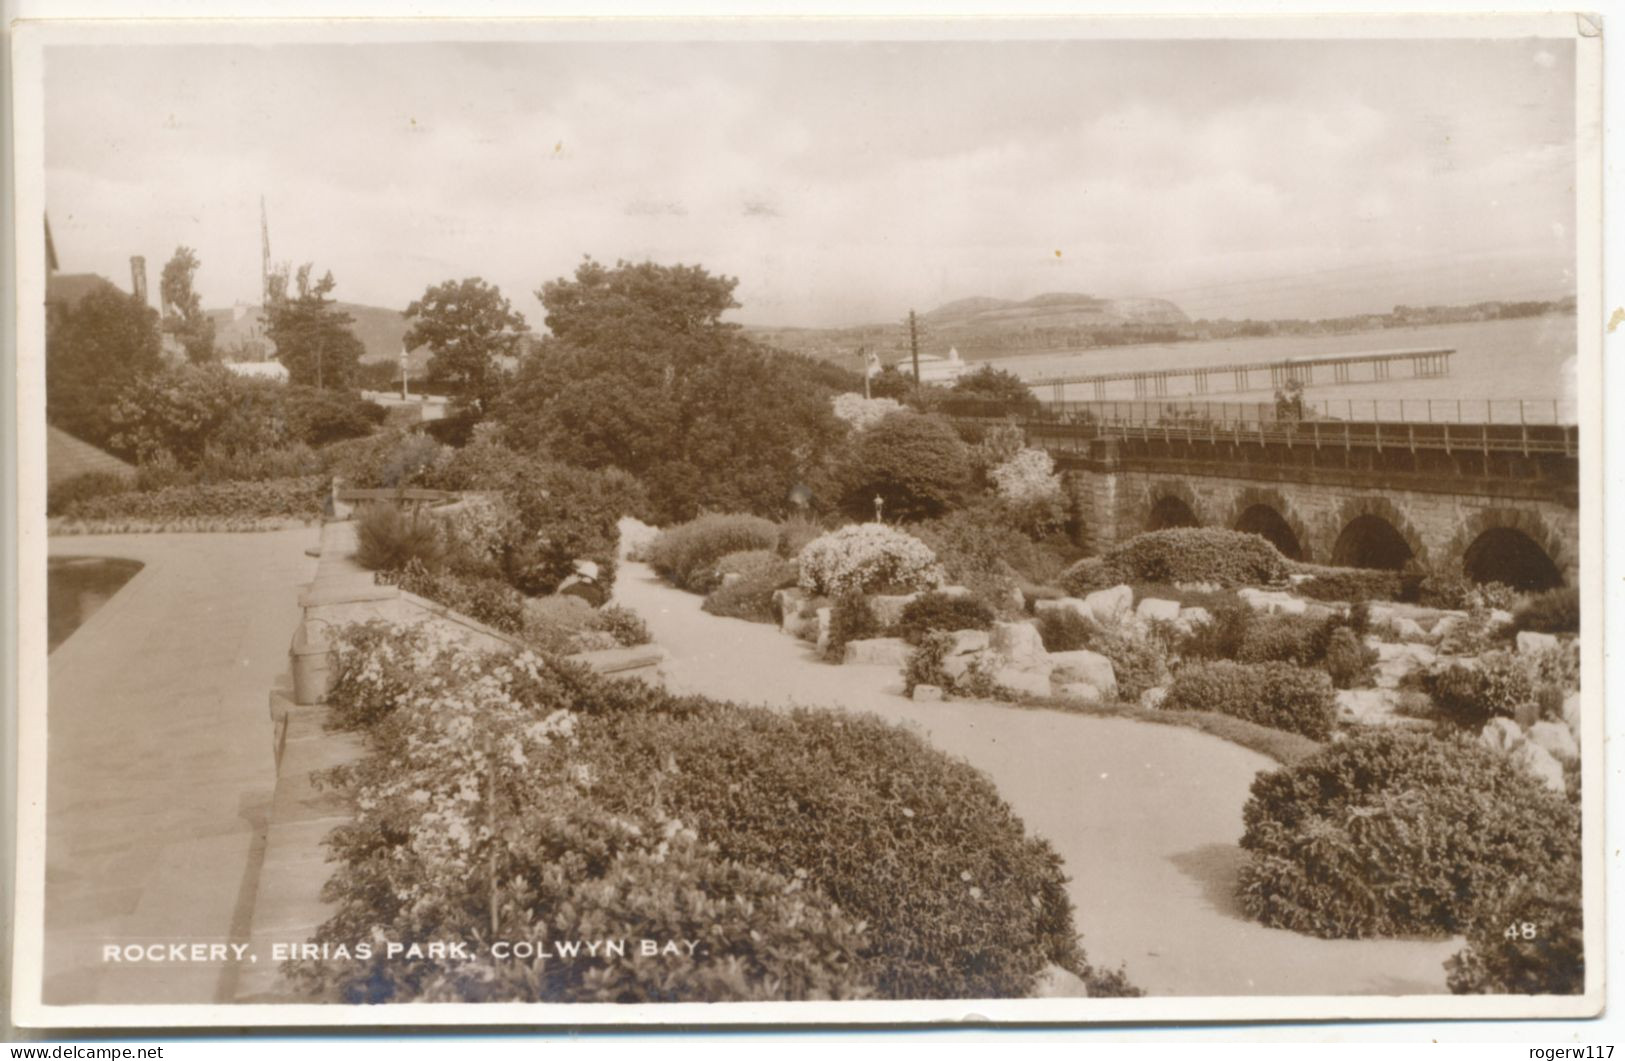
column 1521, row 930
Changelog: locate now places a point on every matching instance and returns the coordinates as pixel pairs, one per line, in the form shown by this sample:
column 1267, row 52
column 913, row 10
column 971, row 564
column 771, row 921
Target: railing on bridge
column 1396, row 425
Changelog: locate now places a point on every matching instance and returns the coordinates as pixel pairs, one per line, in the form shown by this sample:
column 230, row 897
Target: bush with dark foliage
column 62, row 496
column 1528, row 941
column 299, row 498
column 1391, row 833
column 941, row 611
column 750, row 596
column 1281, row 695
column 915, row 464
column 686, row 555
column 1182, row 554
column 850, row 619
column 1065, row 630
column 1556, row 611
column 1495, row 686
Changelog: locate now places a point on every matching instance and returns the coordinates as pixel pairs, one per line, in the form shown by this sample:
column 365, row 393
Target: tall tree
column 312, row 335
column 642, row 373
column 93, row 351
column 183, row 315
column 467, row 325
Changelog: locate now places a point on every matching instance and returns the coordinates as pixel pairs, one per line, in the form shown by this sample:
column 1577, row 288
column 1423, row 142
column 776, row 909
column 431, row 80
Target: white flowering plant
column 866, row 558
column 863, row 413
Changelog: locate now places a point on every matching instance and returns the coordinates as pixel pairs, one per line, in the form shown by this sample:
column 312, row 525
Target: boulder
column 956, row 667
column 1445, row 627
column 1555, row 738
column 1152, row 608
column 1153, row 697
column 886, row 651
column 968, row 641
column 1082, row 692
column 1191, row 618
column 1571, row 714
column 731, row 577
column 1408, row 629
column 1019, row 644
column 953, row 591
column 1540, row 762
column 1081, row 665
column 1031, row 681
column 1529, row 642
column 1273, row 602
column 926, row 692
column 1499, row 617
column 788, row 603
column 1366, row 707
column 887, row 609
column 1107, row 605
column 1056, row 982
column 1014, row 599
column 1064, row 604
column 1501, row 735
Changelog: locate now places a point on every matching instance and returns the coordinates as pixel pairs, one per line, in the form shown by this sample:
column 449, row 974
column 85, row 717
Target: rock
column 1298, row 580
column 1408, row 629
column 888, row 610
column 1194, row 617
column 731, row 577
column 1556, row 739
column 1063, row 604
column 788, row 603
column 1445, row 627
column 926, row 693
column 887, row 651
column 956, row 667
column 1153, row 608
column 1019, row 644
column 1081, row 665
column 1272, row 602
column 968, row 641
column 1571, row 714
column 1030, row 681
column 1499, row 617
column 1056, row 982
column 1014, row 599
column 1079, row 691
column 1366, row 707
column 1107, row 605
column 1540, row 762
column 1530, row 642
column 1154, row 696
column 952, row 591
column 1501, row 735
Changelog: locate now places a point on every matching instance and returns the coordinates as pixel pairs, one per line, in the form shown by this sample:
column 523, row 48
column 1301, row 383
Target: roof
column 66, row 457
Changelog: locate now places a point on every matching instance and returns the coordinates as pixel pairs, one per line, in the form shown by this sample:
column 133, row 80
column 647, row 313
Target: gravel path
column 1145, row 816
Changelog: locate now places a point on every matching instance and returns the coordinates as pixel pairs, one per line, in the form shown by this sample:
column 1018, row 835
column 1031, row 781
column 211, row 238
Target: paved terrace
column 159, row 761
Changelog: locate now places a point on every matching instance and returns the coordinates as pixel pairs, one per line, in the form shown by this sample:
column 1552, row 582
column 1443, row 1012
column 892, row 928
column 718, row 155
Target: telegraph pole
column 863, row 367
column 914, row 344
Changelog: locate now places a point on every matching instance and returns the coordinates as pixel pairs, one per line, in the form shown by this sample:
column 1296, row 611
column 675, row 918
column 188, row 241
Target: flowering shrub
column 686, row 555
column 1388, row 833
column 1272, row 694
column 374, row 665
column 863, row 413
column 386, row 460
column 868, row 558
column 1030, row 491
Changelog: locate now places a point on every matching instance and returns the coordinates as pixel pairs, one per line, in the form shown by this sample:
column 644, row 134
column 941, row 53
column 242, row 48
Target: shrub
column 686, row 555
column 914, row 463
column 1065, row 630
column 487, row 600
column 566, row 515
column 863, row 413
column 1225, row 637
column 1349, row 660
column 1457, row 592
column 374, row 666
column 1389, row 833
column 794, row 534
column 561, row 625
column 751, row 595
column 1281, row 695
column 867, row 558
column 980, row 549
column 1140, row 663
column 925, row 664
column 850, row 619
column 1030, row 492
column 388, row 537
column 483, row 464
column 939, row 611
column 1183, row 554
column 623, row 624
column 64, row 495
column 386, row 460
column 1494, row 687
column 1354, row 584
column 1556, row 611
column 256, row 465
column 273, row 499
column 1502, row 956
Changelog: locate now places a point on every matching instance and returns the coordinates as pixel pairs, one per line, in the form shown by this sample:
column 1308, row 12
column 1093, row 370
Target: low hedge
column 299, row 498
column 1354, row 584
column 686, row 555
column 1281, row 695
column 941, row 611
column 813, row 854
column 1183, row 554
column 1391, row 833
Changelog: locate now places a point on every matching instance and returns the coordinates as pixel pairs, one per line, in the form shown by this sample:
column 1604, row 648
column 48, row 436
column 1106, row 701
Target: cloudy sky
column 841, row 182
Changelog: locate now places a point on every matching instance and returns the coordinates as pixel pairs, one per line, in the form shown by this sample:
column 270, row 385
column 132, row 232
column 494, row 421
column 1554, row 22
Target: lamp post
column 880, row 503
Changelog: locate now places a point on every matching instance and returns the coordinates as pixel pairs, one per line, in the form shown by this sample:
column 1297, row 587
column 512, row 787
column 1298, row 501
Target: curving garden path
column 1145, row 816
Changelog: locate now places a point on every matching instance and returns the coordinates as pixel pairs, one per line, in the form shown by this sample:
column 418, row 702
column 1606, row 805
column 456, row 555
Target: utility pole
column 863, row 367
column 265, row 256
column 914, row 344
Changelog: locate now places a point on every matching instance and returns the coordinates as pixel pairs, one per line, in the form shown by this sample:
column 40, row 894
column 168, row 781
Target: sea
column 1502, row 371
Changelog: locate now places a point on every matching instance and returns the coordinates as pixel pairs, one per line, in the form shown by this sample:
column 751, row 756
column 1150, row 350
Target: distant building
column 934, row 368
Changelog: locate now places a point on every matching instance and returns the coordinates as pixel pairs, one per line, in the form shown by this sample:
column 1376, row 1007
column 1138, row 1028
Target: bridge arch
column 1172, row 503
column 1514, row 546
column 1266, row 512
column 1373, row 532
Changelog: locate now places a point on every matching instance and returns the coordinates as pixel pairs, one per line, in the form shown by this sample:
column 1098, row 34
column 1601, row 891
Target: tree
column 913, row 462
column 467, row 326
column 641, row 373
column 312, row 335
column 183, row 315
column 93, row 351
column 991, row 384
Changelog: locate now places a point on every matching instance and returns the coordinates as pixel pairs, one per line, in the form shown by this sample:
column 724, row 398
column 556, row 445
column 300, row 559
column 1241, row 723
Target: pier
column 1374, row 367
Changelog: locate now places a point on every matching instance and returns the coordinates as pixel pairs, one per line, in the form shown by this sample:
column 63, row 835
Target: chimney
column 138, row 278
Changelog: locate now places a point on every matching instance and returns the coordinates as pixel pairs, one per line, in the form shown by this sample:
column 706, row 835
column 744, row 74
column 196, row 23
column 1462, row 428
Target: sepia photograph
column 823, row 522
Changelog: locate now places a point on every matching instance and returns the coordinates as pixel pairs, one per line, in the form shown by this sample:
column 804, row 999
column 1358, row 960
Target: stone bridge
column 1494, row 503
